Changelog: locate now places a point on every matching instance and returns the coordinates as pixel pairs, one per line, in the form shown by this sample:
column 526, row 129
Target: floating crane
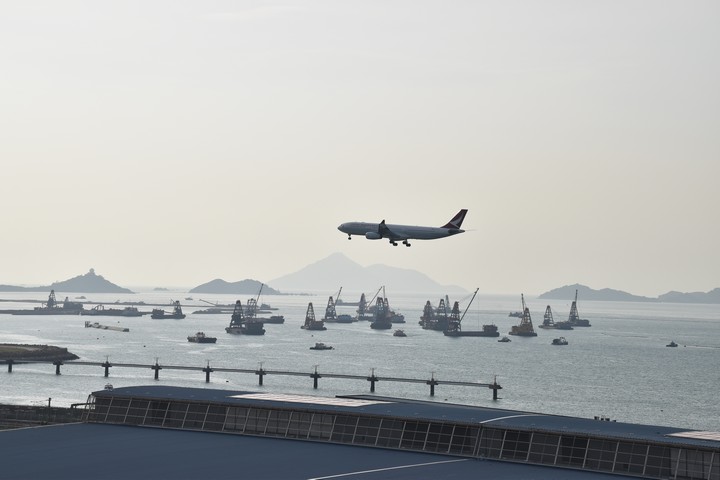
column 525, row 328
column 574, row 318
column 455, row 319
column 310, row 322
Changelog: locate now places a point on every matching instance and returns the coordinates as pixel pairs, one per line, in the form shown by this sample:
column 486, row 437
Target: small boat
column 321, row 346
column 559, row 341
column 200, row 337
column 399, row 333
column 672, row 344
column 504, row 339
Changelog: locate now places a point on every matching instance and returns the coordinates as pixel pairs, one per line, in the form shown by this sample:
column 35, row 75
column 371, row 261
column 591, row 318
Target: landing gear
column 393, row 243
column 406, row 243
column 349, row 237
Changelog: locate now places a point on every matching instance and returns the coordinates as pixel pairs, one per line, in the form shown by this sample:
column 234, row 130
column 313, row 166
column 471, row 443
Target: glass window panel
column 215, row 418
column 137, row 411
column 117, row 410
column 236, row 418
column 299, row 426
column 256, row 420
column 543, row 448
column 344, row 428
column 658, row 462
column 491, row 441
column 277, row 423
column 694, row 464
column 464, row 440
column 572, row 450
column 601, row 454
column 195, row 416
column 516, row 445
column 367, row 431
column 630, row 458
column 156, row 412
column 438, row 437
column 413, row 437
column 390, row 433
column 321, row 427
column 175, row 415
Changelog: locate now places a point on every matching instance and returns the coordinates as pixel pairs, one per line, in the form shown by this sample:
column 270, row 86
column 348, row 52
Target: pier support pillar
column 107, row 368
column 315, row 377
column 432, row 382
column 57, row 364
column 157, row 369
column 207, row 371
column 10, row 364
column 260, row 373
column 494, row 387
column 372, row 379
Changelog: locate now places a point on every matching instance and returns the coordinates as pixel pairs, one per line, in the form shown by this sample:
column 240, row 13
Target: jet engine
column 373, row 236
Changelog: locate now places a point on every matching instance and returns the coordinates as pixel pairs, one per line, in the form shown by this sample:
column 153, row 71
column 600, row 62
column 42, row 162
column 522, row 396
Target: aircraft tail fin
column 457, row 220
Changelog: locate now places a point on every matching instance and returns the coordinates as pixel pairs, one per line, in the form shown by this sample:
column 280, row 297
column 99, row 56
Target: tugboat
column 310, row 322
column 454, row 330
column 672, row 344
column 200, row 337
column 504, row 340
column 525, row 328
column 177, row 313
column 559, row 341
column 239, row 325
column 321, row 346
column 399, row 333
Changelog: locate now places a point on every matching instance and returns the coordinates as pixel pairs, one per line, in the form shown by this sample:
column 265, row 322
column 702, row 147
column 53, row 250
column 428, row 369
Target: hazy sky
column 168, row 143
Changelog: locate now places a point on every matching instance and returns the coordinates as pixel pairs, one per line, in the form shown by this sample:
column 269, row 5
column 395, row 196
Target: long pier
column 260, row 373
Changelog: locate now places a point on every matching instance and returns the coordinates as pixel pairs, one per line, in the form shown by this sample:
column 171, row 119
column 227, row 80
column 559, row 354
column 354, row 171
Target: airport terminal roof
column 418, row 409
column 95, row 451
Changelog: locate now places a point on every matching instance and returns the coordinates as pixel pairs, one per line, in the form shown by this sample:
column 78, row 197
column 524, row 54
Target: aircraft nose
column 342, row 225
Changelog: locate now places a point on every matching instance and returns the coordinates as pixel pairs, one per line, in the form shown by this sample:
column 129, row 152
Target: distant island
column 88, row 283
column 609, row 295
column 243, row 287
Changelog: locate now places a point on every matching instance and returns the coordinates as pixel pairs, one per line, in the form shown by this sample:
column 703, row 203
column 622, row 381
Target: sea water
column 619, row 367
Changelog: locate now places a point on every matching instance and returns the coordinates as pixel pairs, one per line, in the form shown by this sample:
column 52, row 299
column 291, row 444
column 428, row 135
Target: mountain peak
column 337, row 270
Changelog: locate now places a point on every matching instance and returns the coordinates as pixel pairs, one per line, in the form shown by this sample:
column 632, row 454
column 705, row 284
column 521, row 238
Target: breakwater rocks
column 46, row 353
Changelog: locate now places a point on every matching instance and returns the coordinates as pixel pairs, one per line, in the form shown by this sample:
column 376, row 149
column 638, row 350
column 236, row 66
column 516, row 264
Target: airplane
column 395, row 233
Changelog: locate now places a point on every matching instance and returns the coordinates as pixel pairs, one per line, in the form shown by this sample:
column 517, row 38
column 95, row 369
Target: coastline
column 19, row 352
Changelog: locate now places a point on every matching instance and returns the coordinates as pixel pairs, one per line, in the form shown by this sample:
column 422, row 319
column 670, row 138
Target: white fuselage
column 397, row 232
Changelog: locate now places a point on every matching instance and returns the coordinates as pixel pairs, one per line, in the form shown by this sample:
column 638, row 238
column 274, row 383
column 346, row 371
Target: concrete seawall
column 19, row 416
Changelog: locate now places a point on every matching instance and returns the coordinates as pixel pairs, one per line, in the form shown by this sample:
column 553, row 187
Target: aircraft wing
column 385, row 232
